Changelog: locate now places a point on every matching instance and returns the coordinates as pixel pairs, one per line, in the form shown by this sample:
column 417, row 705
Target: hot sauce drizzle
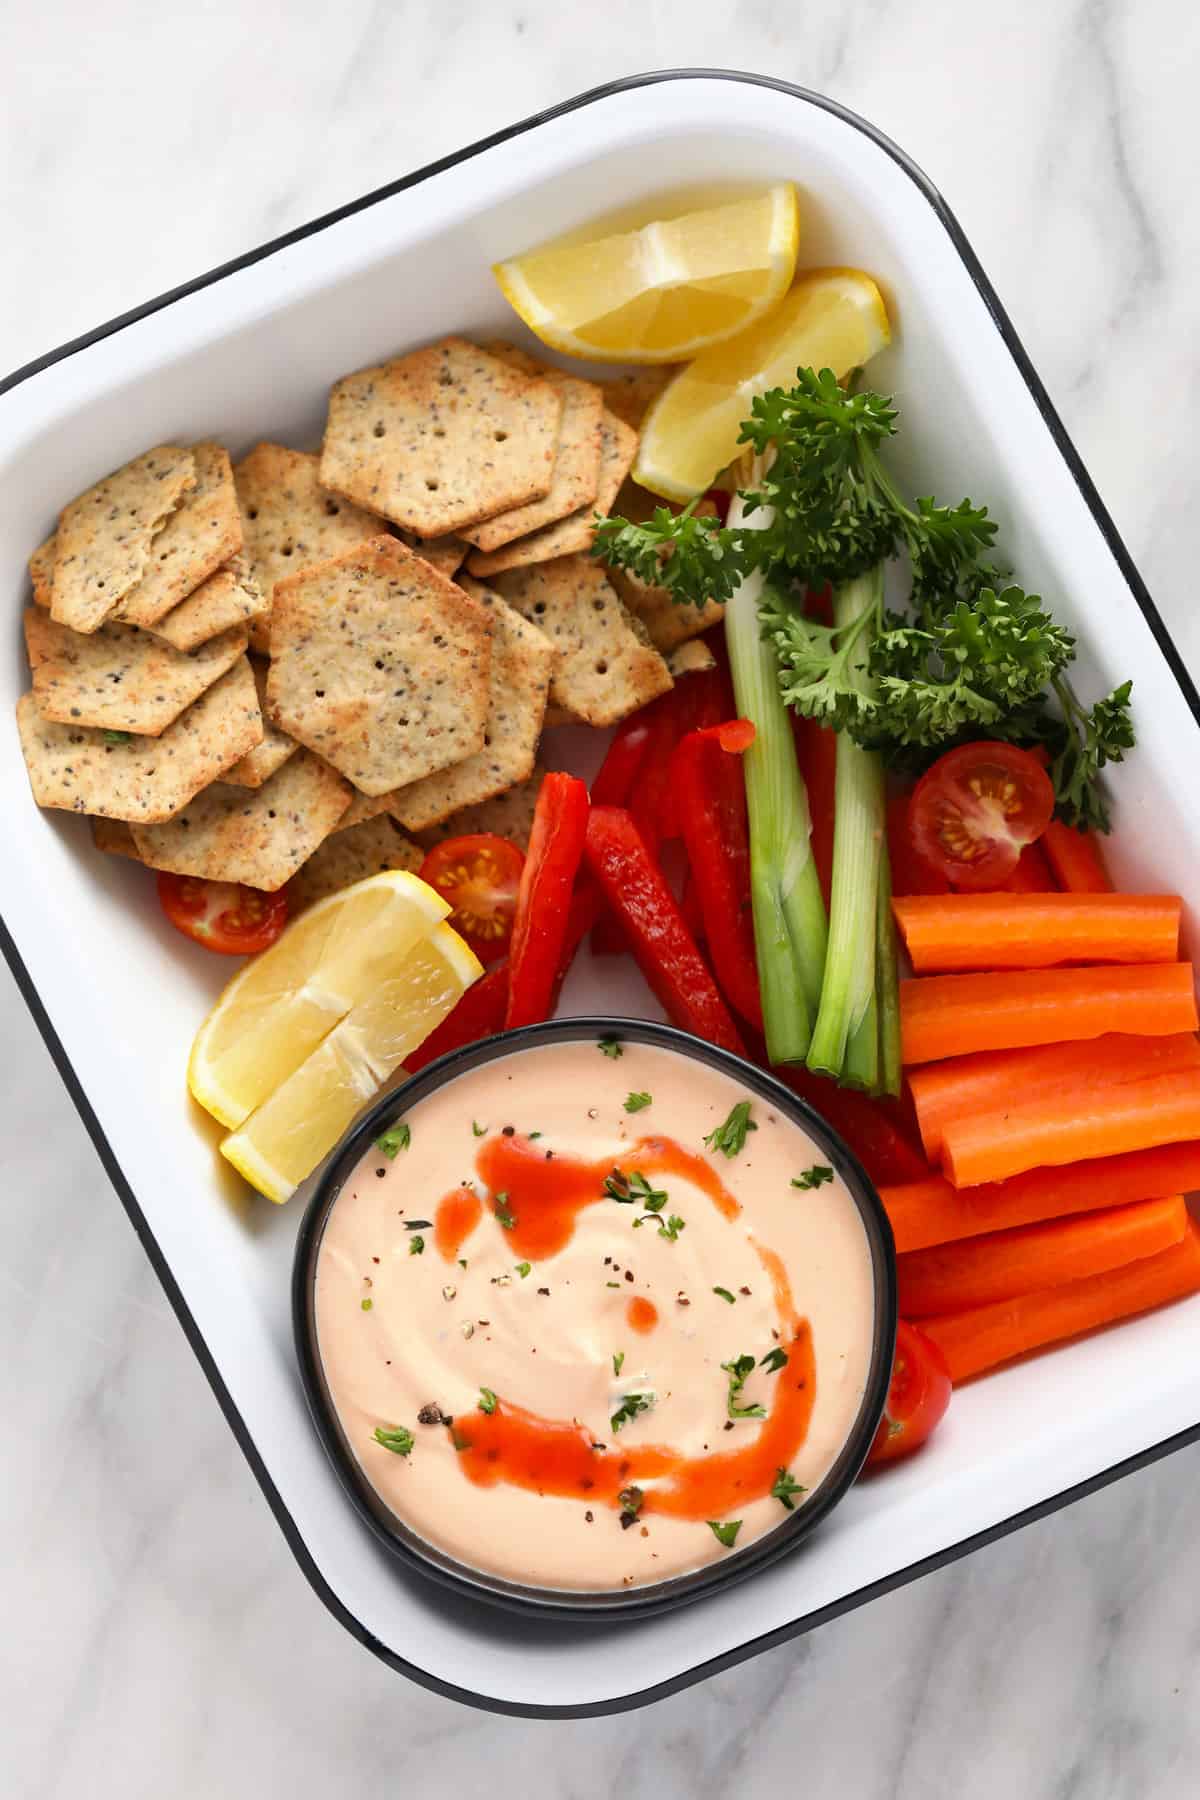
column 455, row 1219
column 641, row 1314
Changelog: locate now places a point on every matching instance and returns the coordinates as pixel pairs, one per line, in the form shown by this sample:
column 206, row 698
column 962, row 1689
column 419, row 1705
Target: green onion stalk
column 790, row 928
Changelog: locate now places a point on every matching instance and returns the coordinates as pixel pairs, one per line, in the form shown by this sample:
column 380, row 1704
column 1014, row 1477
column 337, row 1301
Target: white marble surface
column 155, row 1635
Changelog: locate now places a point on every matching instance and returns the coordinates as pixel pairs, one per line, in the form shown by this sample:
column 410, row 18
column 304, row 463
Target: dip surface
column 569, row 1314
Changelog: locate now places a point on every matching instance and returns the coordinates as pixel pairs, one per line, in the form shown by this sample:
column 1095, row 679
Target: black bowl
column 575, row 1604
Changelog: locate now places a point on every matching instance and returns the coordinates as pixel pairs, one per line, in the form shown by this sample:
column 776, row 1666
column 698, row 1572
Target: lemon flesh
column 278, row 1008
column 666, row 291
column 298, row 1125
column 831, row 319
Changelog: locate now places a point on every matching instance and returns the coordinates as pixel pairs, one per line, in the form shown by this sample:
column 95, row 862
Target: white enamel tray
column 249, row 351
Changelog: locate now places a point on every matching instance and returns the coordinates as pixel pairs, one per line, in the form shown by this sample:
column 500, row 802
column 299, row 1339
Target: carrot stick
column 974, row 1084
column 978, row 1271
column 954, row 1015
column 1034, row 931
column 932, row 1212
column 1075, row 858
column 1054, row 1129
column 980, row 1337
column 1033, row 874
column 816, row 751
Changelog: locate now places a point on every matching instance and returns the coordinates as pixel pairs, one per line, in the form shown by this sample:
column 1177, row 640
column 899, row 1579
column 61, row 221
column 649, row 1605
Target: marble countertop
column 157, row 1636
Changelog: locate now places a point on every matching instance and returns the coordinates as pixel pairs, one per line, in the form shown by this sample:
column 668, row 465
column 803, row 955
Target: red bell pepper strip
column 872, row 1128
column 618, row 772
column 544, row 898
column 711, row 799
column 1033, row 874
column 664, row 949
column 479, row 1014
column 816, row 747
column 689, row 906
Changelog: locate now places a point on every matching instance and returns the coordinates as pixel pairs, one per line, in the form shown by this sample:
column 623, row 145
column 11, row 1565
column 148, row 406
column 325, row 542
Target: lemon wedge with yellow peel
column 832, row 319
column 664, row 292
column 296, row 1126
column 279, row 1007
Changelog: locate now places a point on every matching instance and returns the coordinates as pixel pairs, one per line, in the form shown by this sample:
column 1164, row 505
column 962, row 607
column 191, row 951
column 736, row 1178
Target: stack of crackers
column 278, row 671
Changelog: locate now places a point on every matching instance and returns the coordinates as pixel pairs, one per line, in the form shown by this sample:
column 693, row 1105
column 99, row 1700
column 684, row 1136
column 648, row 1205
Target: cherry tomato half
column 974, row 811
column 917, row 1398
column 223, row 915
column 479, row 876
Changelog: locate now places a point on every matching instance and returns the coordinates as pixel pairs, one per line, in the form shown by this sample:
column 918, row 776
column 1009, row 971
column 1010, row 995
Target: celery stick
column 789, row 914
column 849, row 983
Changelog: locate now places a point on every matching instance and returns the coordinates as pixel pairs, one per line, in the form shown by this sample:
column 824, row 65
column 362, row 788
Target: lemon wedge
column 278, row 1008
column 832, row 319
column 666, row 291
column 298, row 1125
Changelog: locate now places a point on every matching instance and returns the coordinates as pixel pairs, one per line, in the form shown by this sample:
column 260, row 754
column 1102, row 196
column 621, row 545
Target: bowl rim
column 578, row 1604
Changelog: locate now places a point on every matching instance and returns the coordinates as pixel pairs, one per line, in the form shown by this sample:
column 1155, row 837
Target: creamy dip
column 574, row 1337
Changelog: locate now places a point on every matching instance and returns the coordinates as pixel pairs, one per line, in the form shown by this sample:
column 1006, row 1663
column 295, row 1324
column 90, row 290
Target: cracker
column 366, row 806
column 202, row 533
column 515, row 358
column 446, row 554
column 103, row 545
column 631, row 396
column 41, row 572
column 352, row 854
column 608, row 667
column 141, row 779
column 692, row 658
column 575, row 478
column 119, row 678
column 380, row 665
column 261, row 838
column 258, row 765
column 618, row 447
column 523, row 664
column 230, row 597
column 290, row 521
column 668, row 623
column 509, row 816
column 441, row 438
column 114, row 837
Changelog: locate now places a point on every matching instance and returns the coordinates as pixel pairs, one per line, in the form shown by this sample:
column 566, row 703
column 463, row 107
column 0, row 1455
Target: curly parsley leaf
column 737, row 1370
column 730, row 1138
column 631, row 1405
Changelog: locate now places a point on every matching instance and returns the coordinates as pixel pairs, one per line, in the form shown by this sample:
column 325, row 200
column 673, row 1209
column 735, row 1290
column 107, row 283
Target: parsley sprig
column 737, row 1370
column 395, row 1437
column 631, row 1405
column 730, row 1138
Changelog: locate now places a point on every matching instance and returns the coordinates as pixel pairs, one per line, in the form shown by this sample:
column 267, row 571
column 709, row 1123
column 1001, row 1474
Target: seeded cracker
column 41, row 572
column 441, row 438
column 350, row 855
column 380, row 665
column 692, row 658
column 508, row 816
column 618, row 447
column 446, row 554
column 230, row 597
column 631, row 396
column 118, row 677
column 258, row 765
column 261, row 838
column 576, row 475
column 290, row 521
column 141, row 779
column 114, row 837
column 608, row 667
column 200, row 535
column 104, row 541
column 667, row 623
column 523, row 664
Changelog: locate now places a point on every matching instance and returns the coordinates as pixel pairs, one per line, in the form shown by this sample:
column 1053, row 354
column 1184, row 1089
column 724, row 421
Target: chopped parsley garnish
column 618, row 1359
column 631, row 1405
column 612, row 1284
column 670, row 1230
column 487, row 1400
column 634, row 1187
column 637, row 1102
column 784, row 1487
column 117, row 737
column 631, row 1499
column 500, row 1208
column 396, row 1437
column 610, row 1047
column 478, row 1130
column 737, row 1370
column 523, row 1269
column 366, row 1304
column 725, row 1533
column 730, row 1137
column 416, row 1245
column 398, row 1138
column 726, row 1295
column 534, row 1135
column 814, row 1177
column 418, row 1224
column 774, row 1360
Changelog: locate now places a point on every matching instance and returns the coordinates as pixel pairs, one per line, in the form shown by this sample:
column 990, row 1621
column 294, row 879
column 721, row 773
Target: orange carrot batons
column 947, row 932
column 1075, row 858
